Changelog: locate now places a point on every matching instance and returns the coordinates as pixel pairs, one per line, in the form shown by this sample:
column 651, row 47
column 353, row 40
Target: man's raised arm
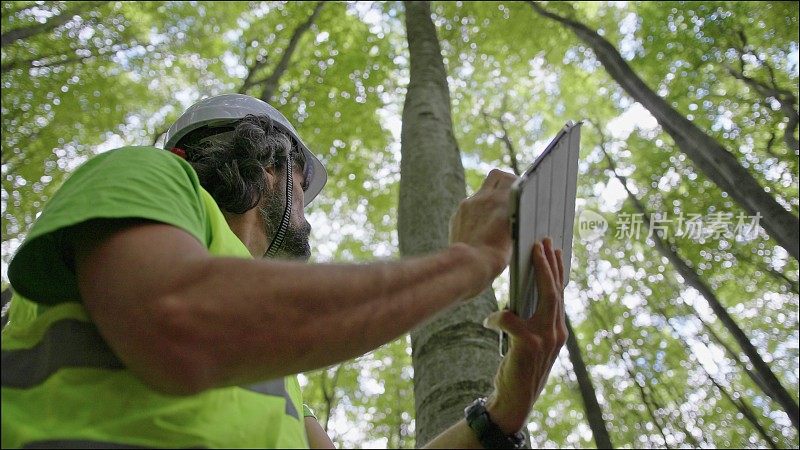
column 184, row 321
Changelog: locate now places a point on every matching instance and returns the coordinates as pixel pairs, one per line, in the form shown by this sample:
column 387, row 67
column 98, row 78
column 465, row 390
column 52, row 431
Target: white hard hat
column 224, row 110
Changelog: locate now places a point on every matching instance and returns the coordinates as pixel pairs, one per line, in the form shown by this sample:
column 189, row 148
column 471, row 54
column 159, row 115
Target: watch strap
column 488, row 433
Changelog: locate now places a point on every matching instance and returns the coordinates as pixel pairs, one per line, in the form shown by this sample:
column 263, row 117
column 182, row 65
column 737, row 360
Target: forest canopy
column 683, row 311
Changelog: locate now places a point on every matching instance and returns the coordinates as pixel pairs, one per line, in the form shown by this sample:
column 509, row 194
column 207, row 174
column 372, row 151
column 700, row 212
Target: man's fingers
column 545, row 277
column 552, row 259
column 560, row 322
column 497, row 179
column 490, row 181
column 505, row 321
column 545, row 282
column 505, row 180
column 560, row 258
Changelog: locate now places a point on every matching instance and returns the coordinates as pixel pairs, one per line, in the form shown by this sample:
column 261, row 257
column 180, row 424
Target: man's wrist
column 508, row 422
column 480, row 267
column 489, row 433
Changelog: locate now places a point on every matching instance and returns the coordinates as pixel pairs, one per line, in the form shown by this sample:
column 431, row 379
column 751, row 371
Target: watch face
column 475, row 408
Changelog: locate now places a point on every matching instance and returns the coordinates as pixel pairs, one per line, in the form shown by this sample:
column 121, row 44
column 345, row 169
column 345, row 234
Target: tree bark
column 772, row 386
column 270, row 84
column 11, row 36
column 716, row 162
column 454, row 356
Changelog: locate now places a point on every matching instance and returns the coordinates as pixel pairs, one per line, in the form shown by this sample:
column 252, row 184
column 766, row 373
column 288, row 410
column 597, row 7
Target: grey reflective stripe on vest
column 277, row 388
column 67, row 343
column 74, row 343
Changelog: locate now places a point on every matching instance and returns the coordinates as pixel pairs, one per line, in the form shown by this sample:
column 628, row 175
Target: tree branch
column 9, row 37
column 248, row 82
column 271, row 83
column 706, row 152
column 31, row 62
column 512, row 152
column 785, row 99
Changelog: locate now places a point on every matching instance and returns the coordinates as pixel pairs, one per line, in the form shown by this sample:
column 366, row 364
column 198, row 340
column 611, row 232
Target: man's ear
column 271, row 174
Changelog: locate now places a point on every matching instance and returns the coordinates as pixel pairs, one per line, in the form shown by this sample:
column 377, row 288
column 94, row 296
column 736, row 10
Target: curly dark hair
column 231, row 169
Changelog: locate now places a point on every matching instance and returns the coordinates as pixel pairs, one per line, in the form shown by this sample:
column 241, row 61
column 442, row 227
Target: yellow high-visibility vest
column 63, row 387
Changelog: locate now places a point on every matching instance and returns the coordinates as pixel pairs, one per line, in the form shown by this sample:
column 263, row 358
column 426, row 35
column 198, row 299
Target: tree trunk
column 594, row 414
column 716, row 162
column 768, row 381
column 454, row 356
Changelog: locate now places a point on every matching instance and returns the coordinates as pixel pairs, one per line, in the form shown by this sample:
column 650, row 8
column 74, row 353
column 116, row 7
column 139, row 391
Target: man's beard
column 295, row 241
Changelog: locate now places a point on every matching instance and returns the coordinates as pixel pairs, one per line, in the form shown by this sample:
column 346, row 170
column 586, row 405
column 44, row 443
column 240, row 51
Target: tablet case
column 543, row 204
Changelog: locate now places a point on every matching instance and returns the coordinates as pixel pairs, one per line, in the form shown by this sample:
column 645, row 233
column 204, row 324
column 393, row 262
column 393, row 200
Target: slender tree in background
column 619, row 347
column 454, row 356
column 707, row 153
column 594, row 413
column 766, row 378
column 328, row 394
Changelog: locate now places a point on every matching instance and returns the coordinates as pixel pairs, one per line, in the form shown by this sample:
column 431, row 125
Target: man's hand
column 481, row 222
column 534, row 344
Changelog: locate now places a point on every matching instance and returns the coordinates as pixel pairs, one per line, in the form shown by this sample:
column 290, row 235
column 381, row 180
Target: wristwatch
column 489, row 434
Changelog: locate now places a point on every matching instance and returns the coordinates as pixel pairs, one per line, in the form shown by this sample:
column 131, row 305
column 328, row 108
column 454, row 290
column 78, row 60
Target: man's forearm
column 460, row 435
column 249, row 320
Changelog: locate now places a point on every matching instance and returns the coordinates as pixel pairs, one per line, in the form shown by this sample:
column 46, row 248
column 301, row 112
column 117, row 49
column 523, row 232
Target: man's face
column 295, row 242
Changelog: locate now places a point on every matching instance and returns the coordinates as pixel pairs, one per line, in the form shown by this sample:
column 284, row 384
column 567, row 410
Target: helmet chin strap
column 277, row 241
